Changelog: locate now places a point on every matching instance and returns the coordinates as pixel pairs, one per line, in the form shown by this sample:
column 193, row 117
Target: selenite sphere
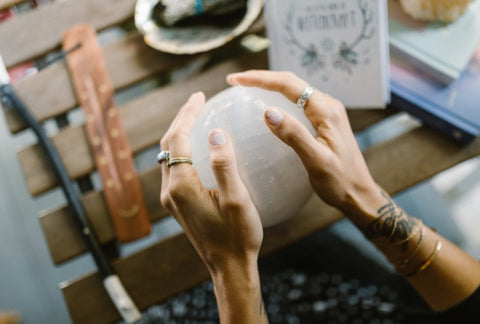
column 272, row 172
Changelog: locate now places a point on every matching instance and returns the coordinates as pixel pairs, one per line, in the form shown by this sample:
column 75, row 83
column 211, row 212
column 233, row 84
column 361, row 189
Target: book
column 453, row 110
column 440, row 50
column 339, row 47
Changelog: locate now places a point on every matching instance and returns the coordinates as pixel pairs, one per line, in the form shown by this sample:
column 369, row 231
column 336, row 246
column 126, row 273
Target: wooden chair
column 172, row 265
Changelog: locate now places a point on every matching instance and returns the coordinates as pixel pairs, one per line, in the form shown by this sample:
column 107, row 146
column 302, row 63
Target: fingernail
column 231, row 78
column 217, row 137
column 273, row 116
column 195, row 95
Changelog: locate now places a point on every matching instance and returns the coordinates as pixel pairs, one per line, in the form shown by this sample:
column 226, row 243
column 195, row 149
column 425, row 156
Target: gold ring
column 177, row 160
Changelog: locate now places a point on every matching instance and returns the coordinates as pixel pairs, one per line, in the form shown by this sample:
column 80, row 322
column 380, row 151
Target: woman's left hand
column 222, row 224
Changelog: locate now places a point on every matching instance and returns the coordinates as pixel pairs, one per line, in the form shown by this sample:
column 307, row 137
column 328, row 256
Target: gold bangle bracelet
column 428, row 262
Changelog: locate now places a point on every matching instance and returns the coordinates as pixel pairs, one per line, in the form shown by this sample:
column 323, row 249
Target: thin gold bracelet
column 428, row 262
column 403, row 263
column 405, row 240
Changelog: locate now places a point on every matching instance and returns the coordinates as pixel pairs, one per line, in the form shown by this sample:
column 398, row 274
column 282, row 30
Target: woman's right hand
column 333, row 160
column 340, row 177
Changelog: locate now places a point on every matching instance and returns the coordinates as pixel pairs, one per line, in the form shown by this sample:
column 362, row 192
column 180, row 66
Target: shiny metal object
column 189, row 39
column 306, row 94
column 163, row 156
column 177, row 160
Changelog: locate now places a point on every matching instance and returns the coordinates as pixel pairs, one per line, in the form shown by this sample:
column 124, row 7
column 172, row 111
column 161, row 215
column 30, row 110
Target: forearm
column 442, row 273
column 238, row 293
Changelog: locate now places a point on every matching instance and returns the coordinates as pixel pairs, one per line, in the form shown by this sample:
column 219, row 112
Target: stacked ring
column 180, row 159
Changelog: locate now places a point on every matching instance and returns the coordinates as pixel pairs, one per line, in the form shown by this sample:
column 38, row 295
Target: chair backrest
column 171, row 265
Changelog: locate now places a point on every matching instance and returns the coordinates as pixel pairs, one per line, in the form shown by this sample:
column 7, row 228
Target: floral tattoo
column 392, row 224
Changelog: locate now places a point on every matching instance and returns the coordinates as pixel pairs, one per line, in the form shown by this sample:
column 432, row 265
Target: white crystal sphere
column 272, row 172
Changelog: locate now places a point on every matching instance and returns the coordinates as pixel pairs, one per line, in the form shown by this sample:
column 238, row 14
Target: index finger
column 287, row 83
column 177, row 138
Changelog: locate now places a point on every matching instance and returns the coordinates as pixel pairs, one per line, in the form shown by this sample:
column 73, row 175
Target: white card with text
column 339, row 47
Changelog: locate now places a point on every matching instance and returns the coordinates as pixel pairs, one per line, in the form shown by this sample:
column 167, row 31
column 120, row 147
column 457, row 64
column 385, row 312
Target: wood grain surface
column 36, row 32
column 63, row 239
column 4, row 4
column 49, row 93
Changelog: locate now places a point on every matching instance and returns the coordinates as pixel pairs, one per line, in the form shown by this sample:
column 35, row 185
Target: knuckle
column 292, row 78
column 290, row 136
column 166, row 201
column 288, row 76
column 222, row 161
column 163, row 141
column 179, row 192
column 326, row 168
column 175, row 137
column 338, row 104
column 233, row 205
column 176, row 191
column 338, row 110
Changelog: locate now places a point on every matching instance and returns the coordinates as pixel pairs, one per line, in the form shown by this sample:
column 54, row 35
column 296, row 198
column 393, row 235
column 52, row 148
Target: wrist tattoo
column 392, row 224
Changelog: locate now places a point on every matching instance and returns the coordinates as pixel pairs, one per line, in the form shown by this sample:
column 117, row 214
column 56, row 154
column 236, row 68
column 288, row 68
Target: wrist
column 362, row 204
column 231, row 270
column 238, row 292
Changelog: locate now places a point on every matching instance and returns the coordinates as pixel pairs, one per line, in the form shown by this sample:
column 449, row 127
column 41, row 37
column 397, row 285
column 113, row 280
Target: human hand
column 333, row 160
column 339, row 175
column 222, row 224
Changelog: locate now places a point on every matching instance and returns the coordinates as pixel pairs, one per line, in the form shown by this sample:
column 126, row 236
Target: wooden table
column 170, row 266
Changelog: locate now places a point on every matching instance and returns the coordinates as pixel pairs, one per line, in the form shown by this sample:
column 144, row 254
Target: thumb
column 224, row 164
column 294, row 134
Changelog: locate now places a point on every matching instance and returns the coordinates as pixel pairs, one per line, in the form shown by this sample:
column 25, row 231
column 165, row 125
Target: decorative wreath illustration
column 345, row 58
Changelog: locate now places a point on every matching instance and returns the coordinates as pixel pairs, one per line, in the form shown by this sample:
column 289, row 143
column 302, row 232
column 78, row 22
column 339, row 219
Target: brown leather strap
column 107, row 138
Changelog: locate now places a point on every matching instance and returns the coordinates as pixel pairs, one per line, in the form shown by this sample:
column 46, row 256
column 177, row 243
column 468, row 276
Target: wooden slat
column 174, row 259
column 39, row 31
column 396, row 165
column 61, row 233
column 4, row 4
column 49, row 93
column 415, row 156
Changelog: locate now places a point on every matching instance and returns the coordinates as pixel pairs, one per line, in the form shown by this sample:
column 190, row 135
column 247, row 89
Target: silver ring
column 163, row 156
column 306, row 94
column 180, row 159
